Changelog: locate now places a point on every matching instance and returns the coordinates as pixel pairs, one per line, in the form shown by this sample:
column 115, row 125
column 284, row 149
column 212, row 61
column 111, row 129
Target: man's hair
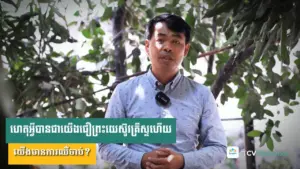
column 174, row 23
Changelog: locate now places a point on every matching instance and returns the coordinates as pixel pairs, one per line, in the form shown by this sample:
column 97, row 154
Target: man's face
column 166, row 48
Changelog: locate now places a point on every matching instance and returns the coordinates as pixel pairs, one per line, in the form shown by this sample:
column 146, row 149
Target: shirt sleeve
column 117, row 154
column 212, row 136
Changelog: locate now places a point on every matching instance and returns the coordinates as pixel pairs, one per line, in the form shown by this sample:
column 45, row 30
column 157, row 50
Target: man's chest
column 186, row 111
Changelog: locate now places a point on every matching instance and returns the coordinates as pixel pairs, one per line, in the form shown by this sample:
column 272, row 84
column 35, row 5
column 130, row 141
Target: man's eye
column 176, row 42
column 160, row 40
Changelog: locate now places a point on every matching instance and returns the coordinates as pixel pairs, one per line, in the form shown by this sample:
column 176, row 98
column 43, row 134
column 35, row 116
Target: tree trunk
column 249, row 145
column 223, row 77
column 212, row 57
column 228, row 69
column 4, row 146
column 118, row 30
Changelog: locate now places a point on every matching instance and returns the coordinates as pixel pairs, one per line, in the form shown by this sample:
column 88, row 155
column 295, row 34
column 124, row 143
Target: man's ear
column 186, row 49
column 147, row 46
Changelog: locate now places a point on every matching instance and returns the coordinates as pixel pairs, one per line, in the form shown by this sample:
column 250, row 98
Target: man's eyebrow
column 161, row 34
column 177, row 35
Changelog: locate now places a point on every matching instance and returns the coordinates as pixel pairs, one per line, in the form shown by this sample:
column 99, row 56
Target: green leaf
column 73, row 60
column 284, row 55
column 136, row 52
column 60, row 30
column 264, row 139
column 287, row 110
column 261, row 10
column 190, row 19
column 121, row 2
column 270, row 144
column 243, row 102
column 56, row 11
column 193, row 56
column 162, row 10
column 223, row 57
column 149, row 13
column 259, row 46
column 285, row 93
column 18, row 5
column 136, row 62
column 271, row 100
column 91, row 4
column 90, row 58
column 105, row 79
column 294, row 85
column 69, row 53
column 224, row 98
column 210, row 78
column 197, row 72
column 203, row 35
column 153, row 3
column 262, row 83
column 76, row 13
column 240, row 92
column 175, row 2
column 100, row 31
column 74, row 91
column 275, row 78
column 229, row 32
column 72, row 23
column 186, row 64
column 270, row 123
column 278, row 133
column 277, row 123
column 254, row 133
column 228, row 91
column 107, row 14
column 87, row 33
column 294, row 103
column 51, row 113
column 232, row 38
column 276, row 137
column 269, row 113
column 269, row 126
column 97, row 43
column 297, row 54
column 220, row 7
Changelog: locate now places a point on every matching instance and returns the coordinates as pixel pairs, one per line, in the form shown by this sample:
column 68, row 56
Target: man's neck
column 164, row 77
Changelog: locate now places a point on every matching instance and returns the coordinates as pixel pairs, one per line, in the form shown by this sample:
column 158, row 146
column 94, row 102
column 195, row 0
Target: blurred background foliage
column 256, row 35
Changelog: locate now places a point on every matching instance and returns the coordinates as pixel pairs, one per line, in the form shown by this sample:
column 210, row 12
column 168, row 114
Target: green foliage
column 254, row 133
column 271, row 27
column 278, row 163
column 272, row 35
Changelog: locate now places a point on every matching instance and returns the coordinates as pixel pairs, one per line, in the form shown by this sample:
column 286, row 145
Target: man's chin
column 165, row 61
column 166, row 66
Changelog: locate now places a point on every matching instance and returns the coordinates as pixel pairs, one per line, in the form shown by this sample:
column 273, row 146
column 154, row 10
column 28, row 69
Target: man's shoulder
column 131, row 83
column 196, row 85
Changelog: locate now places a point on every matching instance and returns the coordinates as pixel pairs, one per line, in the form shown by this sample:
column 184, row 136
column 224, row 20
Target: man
column 191, row 103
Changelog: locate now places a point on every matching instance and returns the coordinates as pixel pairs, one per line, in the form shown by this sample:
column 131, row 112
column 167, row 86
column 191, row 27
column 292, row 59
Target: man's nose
column 167, row 47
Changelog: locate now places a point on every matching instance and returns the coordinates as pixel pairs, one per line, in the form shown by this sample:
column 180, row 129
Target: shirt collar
column 152, row 79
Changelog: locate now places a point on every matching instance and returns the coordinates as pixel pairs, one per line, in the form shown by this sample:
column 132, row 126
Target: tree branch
column 229, row 68
column 211, row 57
column 33, row 111
column 216, row 51
column 91, row 73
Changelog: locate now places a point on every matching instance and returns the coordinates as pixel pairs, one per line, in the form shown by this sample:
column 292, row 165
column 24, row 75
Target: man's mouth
column 166, row 58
